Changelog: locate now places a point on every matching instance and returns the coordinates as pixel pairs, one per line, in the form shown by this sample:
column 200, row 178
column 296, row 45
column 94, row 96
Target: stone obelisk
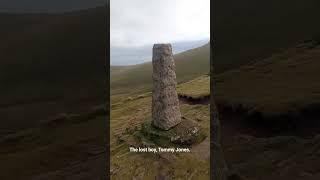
column 165, row 103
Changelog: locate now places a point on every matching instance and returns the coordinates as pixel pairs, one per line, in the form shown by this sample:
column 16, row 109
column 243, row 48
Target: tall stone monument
column 165, row 103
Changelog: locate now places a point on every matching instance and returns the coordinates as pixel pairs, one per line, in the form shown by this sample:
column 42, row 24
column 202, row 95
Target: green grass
column 196, row 88
column 131, row 108
column 128, row 112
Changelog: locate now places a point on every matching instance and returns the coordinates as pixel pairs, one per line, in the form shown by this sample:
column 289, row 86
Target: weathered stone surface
column 188, row 132
column 165, row 103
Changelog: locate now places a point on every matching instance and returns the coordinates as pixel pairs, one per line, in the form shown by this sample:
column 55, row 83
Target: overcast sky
column 142, row 22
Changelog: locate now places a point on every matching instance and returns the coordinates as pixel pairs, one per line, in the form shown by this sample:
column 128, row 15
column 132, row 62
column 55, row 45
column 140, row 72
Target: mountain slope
column 125, row 56
column 49, row 58
column 189, row 65
column 285, row 82
column 270, row 108
column 55, row 51
column 53, row 89
column 250, row 30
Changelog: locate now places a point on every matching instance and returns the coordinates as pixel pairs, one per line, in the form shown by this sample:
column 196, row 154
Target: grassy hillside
column 130, row 109
column 48, row 58
column 53, row 51
column 269, row 113
column 258, row 71
column 201, row 83
column 65, row 146
column 53, row 90
column 189, row 65
column 128, row 113
column 285, row 82
column 251, row 30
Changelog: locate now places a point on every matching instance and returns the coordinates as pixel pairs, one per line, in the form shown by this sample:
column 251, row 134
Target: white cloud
column 142, row 22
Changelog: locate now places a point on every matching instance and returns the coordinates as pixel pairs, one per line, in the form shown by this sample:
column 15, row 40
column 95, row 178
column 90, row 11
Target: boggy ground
column 128, row 113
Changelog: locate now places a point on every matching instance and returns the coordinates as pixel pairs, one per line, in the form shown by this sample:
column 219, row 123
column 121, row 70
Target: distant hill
column 189, row 65
column 136, row 55
column 251, row 30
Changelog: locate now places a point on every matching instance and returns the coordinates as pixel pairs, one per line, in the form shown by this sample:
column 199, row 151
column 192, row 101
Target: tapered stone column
column 165, row 103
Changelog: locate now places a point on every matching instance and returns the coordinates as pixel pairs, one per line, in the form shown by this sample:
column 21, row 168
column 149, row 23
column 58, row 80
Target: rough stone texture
column 188, row 132
column 165, row 103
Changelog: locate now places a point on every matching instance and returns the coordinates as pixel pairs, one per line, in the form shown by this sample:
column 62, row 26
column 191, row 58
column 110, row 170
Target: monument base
column 187, row 132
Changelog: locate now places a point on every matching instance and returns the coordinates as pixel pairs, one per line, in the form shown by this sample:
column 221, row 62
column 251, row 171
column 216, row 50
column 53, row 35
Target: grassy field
column 128, row 113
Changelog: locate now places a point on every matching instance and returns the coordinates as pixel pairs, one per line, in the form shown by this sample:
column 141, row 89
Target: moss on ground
column 186, row 133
